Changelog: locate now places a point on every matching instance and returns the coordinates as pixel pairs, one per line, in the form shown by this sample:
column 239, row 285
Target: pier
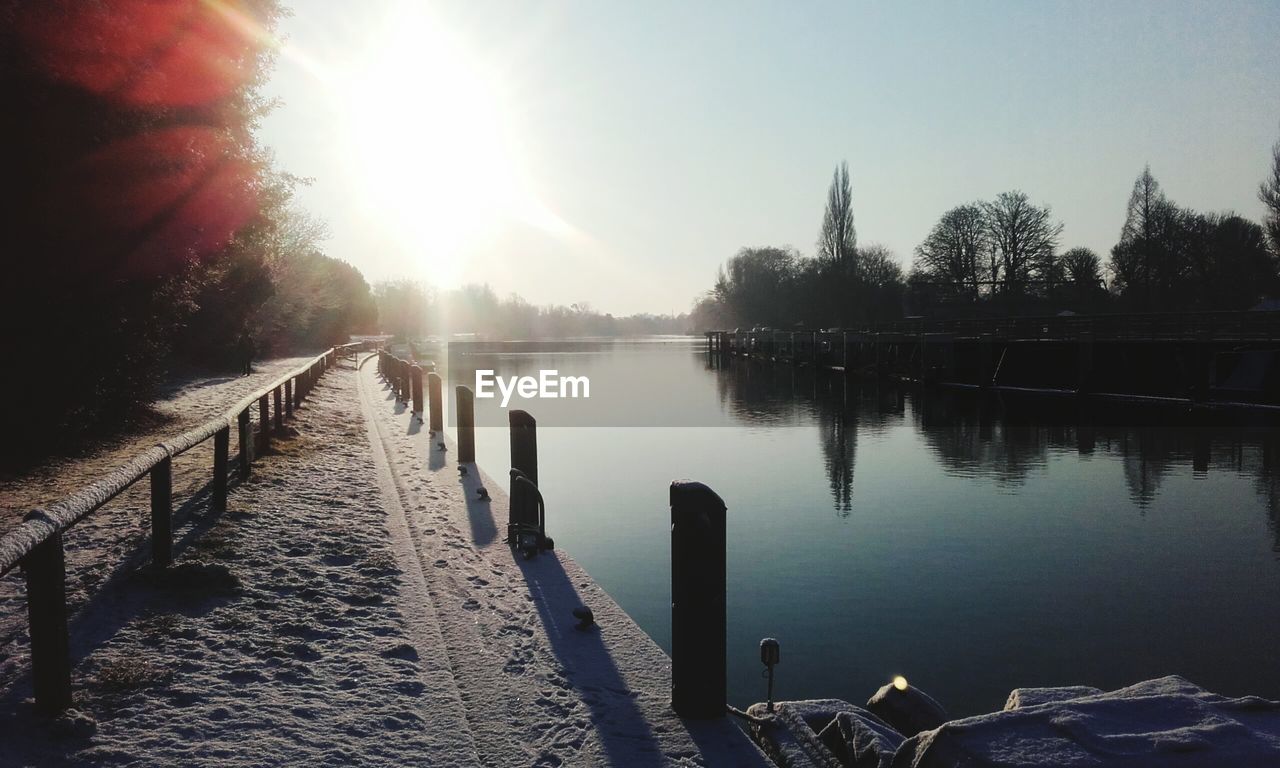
column 1225, row 357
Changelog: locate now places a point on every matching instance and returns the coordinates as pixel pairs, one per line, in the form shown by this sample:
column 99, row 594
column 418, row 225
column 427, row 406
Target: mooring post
column 698, row 614
column 466, row 424
column 162, row 512
column 416, row 377
column 221, row 449
column 279, row 409
column 524, row 443
column 985, row 350
column 1084, row 361
column 246, row 442
column 47, row 617
column 434, row 387
column 264, row 425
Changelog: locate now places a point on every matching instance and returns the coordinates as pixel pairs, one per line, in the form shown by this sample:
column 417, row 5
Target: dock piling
column 698, row 614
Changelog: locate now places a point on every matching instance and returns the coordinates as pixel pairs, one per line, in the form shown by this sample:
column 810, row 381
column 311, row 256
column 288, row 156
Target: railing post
column 416, row 377
column 47, row 617
column 436, row 397
column 264, row 424
column 279, row 409
column 524, row 443
column 246, row 442
column 466, row 424
column 162, row 512
column 221, row 449
column 698, row 613
column 288, row 398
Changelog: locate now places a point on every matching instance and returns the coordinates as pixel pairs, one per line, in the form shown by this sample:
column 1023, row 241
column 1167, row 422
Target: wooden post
column 436, row 396
column 246, row 442
column 415, row 374
column 162, row 512
column 466, row 424
column 221, row 447
column 288, row 398
column 985, row 351
column 698, row 613
column 264, row 425
column 524, row 443
column 1084, row 362
column 47, row 617
column 279, row 409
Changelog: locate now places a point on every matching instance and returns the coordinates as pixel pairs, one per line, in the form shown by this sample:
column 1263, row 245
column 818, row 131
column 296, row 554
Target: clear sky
column 616, row 153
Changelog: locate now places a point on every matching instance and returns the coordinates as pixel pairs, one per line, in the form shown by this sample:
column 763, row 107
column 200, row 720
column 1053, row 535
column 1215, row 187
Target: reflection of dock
column 1224, row 357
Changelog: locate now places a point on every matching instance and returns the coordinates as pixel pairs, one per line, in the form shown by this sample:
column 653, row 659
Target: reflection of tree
column 1000, row 437
column 968, row 438
column 838, row 434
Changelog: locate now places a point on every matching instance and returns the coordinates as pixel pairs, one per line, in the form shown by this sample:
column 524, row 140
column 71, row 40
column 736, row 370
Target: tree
column 403, row 308
column 1228, row 266
column 1081, row 271
column 882, row 278
column 129, row 166
column 952, row 253
column 1269, row 194
column 1145, row 264
column 756, row 285
column 838, row 240
column 1024, row 238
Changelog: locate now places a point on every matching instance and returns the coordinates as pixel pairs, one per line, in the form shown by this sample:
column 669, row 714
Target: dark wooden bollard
column 162, row 513
column 276, row 395
column 466, row 424
column 246, row 442
column 415, row 376
column 264, row 424
column 221, row 449
column 47, row 614
column 698, row 676
column 436, row 396
column 524, row 444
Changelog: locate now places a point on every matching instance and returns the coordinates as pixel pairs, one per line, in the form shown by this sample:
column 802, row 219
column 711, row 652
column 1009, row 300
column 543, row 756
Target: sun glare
column 431, row 146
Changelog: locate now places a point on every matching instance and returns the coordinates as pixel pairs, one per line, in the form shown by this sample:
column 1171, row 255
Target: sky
column 615, row 154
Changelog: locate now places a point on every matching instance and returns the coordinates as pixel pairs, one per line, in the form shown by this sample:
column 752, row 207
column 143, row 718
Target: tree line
column 411, row 310
column 144, row 225
column 1004, row 257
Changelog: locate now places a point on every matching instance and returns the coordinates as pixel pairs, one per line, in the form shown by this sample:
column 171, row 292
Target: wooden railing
column 36, row 544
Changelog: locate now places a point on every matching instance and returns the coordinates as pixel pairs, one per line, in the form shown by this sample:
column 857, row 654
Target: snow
column 107, row 542
column 354, row 605
column 1163, row 722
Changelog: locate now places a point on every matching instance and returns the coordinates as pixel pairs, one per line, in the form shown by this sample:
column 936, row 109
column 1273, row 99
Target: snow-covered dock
column 355, row 605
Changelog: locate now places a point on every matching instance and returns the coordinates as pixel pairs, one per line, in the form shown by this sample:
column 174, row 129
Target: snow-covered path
column 279, row 637
column 535, row 690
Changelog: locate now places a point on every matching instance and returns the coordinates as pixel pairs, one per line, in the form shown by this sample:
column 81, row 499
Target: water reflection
column 1004, row 438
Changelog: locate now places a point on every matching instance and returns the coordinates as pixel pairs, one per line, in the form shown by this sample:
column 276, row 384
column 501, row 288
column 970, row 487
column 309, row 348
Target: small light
column 900, row 683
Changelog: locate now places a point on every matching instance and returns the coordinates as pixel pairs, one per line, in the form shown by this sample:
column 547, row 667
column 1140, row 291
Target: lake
column 972, row 542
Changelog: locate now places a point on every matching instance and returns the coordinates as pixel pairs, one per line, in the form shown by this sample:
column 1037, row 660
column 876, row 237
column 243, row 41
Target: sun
column 431, row 147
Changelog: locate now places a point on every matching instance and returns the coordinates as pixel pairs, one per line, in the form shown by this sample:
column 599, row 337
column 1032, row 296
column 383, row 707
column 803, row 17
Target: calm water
column 973, row 544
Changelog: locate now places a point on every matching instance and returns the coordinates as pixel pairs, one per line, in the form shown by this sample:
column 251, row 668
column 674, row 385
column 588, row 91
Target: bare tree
column 1024, row 240
column 954, row 249
column 1081, row 267
column 838, row 240
column 1269, row 194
